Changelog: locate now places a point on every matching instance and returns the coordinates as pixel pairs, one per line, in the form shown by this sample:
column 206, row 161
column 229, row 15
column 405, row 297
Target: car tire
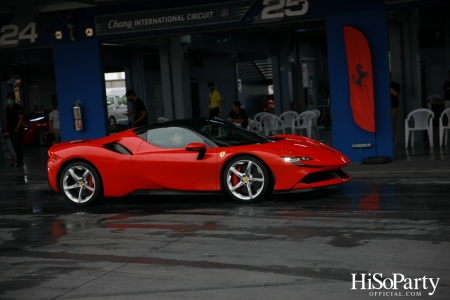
column 80, row 184
column 112, row 121
column 246, row 179
column 41, row 137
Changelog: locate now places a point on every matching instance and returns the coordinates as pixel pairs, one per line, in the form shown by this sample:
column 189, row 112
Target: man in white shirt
column 54, row 124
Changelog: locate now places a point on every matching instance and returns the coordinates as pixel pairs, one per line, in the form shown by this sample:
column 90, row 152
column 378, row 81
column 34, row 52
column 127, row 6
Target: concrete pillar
column 447, row 46
column 128, row 85
column 411, row 62
column 166, row 82
column 285, row 74
column 179, row 68
column 276, row 81
column 79, row 76
column 140, row 84
column 396, row 67
column 138, row 74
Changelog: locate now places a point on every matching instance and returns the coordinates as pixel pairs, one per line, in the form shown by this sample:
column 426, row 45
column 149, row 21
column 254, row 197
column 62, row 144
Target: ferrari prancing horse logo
column 222, row 154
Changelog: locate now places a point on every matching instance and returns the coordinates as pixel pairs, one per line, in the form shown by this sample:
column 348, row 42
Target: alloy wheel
column 245, row 179
column 79, row 184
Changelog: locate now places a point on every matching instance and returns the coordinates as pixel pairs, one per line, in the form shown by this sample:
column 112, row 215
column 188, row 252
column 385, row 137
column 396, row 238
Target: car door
column 163, row 162
column 111, row 105
column 116, row 108
column 122, row 109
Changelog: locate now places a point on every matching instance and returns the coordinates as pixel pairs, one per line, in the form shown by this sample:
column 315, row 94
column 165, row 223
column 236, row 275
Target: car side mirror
column 197, row 147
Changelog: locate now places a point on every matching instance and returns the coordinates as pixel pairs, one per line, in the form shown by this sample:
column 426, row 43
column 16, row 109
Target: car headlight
column 297, row 160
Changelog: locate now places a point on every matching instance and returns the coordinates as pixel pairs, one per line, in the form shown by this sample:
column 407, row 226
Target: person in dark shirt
column 139, row 111
column 13, row 117
column 395, row 90
column 238, row 115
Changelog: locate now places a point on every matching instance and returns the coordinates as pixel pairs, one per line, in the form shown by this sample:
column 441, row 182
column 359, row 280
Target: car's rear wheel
column 80, row 184
column 41, row 137
column 246, row 179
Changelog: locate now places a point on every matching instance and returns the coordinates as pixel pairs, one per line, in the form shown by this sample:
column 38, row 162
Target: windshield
column 224, row 134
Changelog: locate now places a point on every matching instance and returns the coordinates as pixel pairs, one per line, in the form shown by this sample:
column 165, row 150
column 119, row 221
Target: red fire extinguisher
column 77, row 116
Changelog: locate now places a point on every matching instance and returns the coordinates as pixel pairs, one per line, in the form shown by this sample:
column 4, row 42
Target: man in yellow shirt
column 215, row 102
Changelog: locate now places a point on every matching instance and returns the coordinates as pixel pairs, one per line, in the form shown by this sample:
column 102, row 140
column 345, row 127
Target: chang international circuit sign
column 172, row 18
column 263, row 11
column 39, row 29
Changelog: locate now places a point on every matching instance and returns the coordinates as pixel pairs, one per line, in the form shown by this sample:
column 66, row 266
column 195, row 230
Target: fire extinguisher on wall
column 77, row 116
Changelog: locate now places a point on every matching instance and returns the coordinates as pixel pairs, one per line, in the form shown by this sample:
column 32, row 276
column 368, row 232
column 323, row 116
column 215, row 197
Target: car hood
column 29, row 123
column 298, row 146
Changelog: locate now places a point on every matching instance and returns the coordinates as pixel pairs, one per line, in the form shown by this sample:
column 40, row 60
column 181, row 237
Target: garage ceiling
column 17, row 7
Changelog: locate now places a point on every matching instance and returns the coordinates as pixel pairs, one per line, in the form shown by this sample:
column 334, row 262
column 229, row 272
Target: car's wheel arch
column 225, row 163
column 72, row 160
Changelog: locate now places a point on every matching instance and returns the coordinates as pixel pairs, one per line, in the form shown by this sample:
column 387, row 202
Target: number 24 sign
column 10, row 34
column 279, row 8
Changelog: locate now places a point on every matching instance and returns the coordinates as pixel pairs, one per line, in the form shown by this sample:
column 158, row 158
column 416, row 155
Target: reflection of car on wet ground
column 192, row 156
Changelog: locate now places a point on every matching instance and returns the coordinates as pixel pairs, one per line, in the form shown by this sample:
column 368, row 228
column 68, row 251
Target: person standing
column 215, row 102
column 139, row 111
column 270, row 108
column 54, row 124
column 395, row 91
column 238, row 115
column 13, row 117
column 447, row 92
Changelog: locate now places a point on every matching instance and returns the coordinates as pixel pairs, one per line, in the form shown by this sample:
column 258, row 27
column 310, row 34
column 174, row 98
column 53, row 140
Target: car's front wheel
column 41, row 137
column 112, row 121
column 246, row 179
column 80, row 183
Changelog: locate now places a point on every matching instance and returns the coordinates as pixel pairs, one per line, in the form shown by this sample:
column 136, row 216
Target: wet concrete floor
column 389, row 219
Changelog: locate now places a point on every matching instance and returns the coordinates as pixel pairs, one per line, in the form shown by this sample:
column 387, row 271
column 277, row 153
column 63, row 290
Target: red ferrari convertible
column 192, row 156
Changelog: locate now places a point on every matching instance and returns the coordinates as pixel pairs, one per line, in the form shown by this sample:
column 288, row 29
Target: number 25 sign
column 10, row 34
column 275, row 9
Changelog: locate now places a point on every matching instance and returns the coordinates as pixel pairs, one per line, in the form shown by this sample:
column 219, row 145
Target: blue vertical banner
column 346, row 132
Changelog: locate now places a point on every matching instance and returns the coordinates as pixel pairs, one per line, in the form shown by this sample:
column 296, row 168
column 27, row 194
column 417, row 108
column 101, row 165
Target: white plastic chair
column 163, row 119
column 303, row 121
column 258, row 116
column 257, row 122
column 287, row 117
column 423, row 120
column 255, row 126
column 444, row 130
column 272, row 123
column 315, row 129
